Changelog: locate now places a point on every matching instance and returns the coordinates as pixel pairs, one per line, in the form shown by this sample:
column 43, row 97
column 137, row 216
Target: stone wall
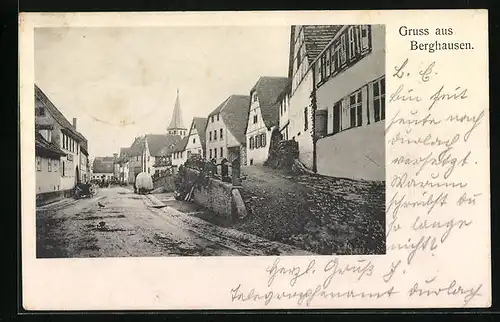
column 165, row 181
column 217, row 196
column 53, row 196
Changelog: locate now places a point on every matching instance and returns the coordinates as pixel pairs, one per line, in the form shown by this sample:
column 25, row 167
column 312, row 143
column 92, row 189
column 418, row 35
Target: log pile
column 283, row 154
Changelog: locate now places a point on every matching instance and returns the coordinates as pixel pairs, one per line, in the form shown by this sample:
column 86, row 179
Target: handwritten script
column 429, row 134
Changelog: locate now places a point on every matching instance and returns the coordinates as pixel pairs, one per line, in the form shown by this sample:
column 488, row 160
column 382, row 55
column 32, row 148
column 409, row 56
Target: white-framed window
column 255, row 118
column 194, row 140
column 49, row 165
column 379, row 99
column 355, row 108
column 215, row 153
column 257, row 141
column 215, row 134
column 365, row 37
column 255, row 96
column 327, row 62
column 55, row 165
column 263, row 139
column 220, row 134
column 217, row 117
column 210, row 153
column 354, row 48
column 221, row 152
column 210, row 136
column 251, row 142
column 38, row 164
column 343, row 49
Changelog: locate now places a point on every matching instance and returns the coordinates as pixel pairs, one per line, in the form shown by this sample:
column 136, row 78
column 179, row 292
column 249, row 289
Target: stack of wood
column 283, row 154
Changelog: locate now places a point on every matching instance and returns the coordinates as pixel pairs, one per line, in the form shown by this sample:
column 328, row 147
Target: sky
column 121, row 83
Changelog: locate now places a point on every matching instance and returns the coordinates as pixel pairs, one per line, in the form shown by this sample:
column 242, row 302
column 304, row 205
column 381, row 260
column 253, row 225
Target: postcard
column 255, row 160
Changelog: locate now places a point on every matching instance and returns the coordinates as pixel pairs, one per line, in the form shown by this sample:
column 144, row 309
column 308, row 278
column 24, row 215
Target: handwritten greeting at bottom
column 436, row 172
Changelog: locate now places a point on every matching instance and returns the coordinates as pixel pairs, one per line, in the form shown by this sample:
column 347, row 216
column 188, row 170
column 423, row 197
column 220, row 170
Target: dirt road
column 134, row 225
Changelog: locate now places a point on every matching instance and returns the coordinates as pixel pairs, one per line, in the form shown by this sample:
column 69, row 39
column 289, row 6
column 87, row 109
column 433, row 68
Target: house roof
column 45, row 148
column 234, row 112
column 201, row 126
column 137, row 147
column 316, row 38
column 158, row 144
column 103, row 165
column 235, row 116
column 176, row 121
column 56, row 114
column 269, row 90
column 180, row 145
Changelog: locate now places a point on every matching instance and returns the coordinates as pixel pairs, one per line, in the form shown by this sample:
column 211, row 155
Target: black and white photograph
column 210, row 141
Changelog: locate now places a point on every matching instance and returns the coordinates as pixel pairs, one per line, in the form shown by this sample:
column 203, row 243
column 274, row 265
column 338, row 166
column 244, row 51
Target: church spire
column 176, row 126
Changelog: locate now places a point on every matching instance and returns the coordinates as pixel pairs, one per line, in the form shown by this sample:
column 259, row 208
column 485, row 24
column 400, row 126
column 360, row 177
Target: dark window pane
column 359, row 115
column 376, row 109
column 382, row 85
column 359, row 96
column 353, row 117
column 383, row 108
column 353, row 99
column 376, row 91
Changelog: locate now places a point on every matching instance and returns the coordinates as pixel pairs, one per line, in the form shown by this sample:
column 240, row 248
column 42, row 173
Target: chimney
column 74, row 122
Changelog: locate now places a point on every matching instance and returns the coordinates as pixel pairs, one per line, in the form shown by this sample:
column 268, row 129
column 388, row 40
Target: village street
column 139, row 225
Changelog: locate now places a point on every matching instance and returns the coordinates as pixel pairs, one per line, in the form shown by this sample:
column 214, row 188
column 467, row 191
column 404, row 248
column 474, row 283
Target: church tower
column 176, row 126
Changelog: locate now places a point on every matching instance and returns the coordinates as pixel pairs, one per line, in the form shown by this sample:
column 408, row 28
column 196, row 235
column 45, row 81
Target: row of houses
column 332, row 103
column 61, row 152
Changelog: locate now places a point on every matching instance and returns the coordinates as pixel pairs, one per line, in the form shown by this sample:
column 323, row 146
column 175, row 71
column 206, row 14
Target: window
column 38, row 164
column 355, row 105
column 194, row 140
column 263, row 139
column 306, row 119
column 210, row 153
column 217, row 117
column 220, row 134
column 49, row 165
column 379, row 99
column 221, row 152
column 41, row 111
column 63, row 173
column 251, row 142
column 255, row 97
column 215, row 153
column 343, row 50
column 365, row 37
column 320, row 69
column 327, row 62
column 257, row 141
column 284, row 105
column 149, row 170
column 215, row 134
column 255, row 119
column 212, row 118
column 353, row 42
column 210, row 136
column 55, row 165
